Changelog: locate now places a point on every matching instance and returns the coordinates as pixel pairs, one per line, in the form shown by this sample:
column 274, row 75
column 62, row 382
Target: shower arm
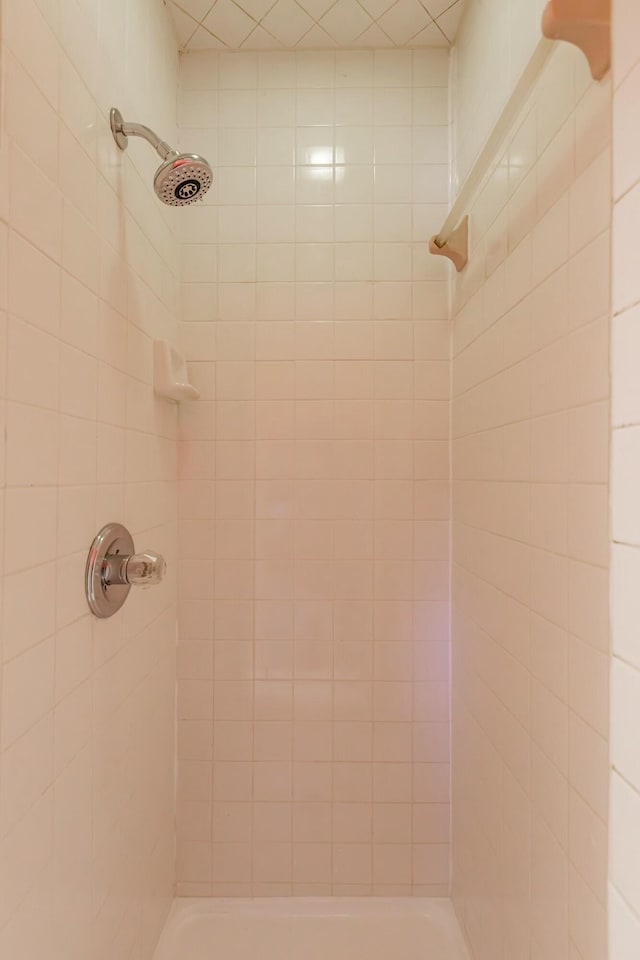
column 122, row 131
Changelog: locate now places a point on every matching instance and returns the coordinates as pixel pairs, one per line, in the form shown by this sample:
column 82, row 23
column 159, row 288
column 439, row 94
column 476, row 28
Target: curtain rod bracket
column 456, row 247
column 586, row 24
column 452, row 236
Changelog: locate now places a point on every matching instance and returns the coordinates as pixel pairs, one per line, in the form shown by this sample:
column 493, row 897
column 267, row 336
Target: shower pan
column 312, row 929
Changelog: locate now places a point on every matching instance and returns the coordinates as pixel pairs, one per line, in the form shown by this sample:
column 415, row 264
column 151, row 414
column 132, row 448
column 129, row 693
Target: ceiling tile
column 185, row 25
column 346, row 21
column 197, row 9
column 431, row 36
column 256, row 8
column 259, row 39
column 317, row 39
column 375, row 8
column 229, row 23
column 435, row 7
column 203, row 40
column 374, row 38
column 315, row 24
column 449, row 21
column 287, row 22
column 404, row 20
column 316, row 8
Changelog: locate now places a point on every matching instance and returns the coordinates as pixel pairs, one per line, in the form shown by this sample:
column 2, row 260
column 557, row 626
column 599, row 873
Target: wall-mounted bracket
column 456, row 248
column 586, row 24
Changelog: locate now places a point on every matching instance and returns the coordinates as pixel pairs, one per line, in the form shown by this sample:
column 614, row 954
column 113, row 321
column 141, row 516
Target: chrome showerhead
column 181, row 179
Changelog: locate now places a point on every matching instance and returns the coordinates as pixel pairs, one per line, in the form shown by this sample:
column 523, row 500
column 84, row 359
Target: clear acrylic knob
column 113, row 568
column 145, row 569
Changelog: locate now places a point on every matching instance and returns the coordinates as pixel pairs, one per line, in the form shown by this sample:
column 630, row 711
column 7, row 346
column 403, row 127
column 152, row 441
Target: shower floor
column 312, row 929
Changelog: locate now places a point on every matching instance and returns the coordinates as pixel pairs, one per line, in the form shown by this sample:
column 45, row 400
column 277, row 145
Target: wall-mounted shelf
column 586, row 24
column 170, row 378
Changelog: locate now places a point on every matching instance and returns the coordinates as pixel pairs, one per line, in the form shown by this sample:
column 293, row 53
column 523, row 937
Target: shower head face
column 182, row 179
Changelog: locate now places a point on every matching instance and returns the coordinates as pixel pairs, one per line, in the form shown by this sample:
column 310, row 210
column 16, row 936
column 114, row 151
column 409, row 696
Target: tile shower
column 379, row 664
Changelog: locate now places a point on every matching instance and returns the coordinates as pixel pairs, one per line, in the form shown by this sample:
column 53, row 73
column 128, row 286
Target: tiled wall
column 88, row 267
column 493, row 46
column 530, row 447
column 313, row 654
column 624, row 892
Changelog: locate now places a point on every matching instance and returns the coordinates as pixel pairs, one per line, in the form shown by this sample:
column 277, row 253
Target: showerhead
column 181, row 179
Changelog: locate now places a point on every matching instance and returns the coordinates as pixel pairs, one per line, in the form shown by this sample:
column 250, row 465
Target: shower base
column 312, row 929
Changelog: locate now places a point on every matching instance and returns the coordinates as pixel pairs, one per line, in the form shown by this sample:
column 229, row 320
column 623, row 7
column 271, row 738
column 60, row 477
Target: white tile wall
column 313, row 718
column 624, row 899
column 88, row 276
column 530, row 448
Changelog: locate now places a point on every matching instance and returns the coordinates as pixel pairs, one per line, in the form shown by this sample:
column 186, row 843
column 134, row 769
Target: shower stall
column 370, row 396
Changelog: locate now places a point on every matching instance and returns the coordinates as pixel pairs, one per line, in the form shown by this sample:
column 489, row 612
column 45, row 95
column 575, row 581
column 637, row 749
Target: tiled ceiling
column 314, row 24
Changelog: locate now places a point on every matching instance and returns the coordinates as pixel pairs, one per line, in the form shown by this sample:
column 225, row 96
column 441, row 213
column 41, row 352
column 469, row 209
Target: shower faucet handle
column 137, row 569
column 113, row 567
